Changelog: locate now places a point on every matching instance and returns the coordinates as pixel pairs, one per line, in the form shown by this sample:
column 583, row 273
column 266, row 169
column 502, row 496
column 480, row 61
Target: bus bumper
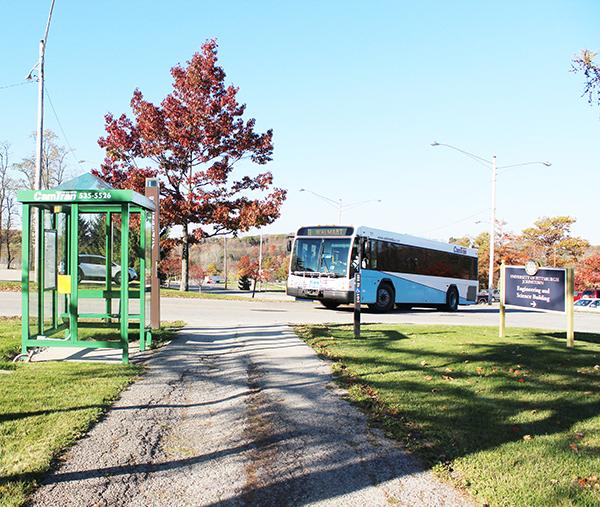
column 339, row 296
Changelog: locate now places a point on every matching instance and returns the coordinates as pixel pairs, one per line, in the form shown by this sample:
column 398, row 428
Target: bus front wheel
column 385, row 299
column 331, row 305
column 451, row 300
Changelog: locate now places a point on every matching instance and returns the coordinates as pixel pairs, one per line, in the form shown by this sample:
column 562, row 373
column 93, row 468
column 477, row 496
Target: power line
column 71, row 150
column 457, row 221
column 27, row 81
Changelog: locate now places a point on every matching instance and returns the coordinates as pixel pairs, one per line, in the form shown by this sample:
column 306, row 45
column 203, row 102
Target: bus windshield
column 327, row 256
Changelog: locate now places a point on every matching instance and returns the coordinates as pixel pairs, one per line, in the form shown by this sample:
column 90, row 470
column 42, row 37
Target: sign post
column 569, row 287
column 357, row 290
column 153, row 193
column 502, row 326
column 536, row 288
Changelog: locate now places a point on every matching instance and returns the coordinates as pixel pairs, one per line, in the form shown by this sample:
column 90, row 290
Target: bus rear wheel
column 451, row 300
column 331, row 305
column 385, row 299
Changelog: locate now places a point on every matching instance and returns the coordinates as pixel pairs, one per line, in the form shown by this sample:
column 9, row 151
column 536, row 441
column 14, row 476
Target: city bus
column 396, row 269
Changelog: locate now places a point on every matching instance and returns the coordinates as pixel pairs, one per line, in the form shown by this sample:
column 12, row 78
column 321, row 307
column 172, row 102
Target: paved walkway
column 242, row 415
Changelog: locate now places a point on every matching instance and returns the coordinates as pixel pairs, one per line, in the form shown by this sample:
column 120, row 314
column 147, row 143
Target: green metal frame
column 71, row 204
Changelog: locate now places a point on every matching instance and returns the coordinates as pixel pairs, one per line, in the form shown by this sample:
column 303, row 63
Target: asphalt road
column 228, row 312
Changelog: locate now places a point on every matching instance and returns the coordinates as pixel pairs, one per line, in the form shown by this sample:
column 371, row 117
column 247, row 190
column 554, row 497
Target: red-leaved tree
column 192, row 141
column 171, row 267
column 587, row 272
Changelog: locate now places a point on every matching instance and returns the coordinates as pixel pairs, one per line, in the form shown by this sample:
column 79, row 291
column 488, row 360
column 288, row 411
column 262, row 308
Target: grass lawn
column 10, row 286
column 13, row 286
column 46, row 407
column 515, row 421
column 10, row 338
column 176, row 293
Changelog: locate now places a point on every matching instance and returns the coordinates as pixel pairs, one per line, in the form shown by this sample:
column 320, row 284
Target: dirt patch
column 259, row 430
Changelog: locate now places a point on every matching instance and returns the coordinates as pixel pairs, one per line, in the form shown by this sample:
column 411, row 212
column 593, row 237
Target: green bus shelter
column 86, row 266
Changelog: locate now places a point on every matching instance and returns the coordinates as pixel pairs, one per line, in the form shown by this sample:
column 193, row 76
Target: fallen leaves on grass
column 574, row 447
column 588, row 482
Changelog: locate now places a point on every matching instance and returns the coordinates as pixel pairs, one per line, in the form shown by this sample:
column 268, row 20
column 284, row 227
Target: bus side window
column 373, row 254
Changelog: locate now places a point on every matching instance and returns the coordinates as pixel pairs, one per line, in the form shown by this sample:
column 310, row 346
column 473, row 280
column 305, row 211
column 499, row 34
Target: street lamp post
column 492, row 234
column 339, row 204
column 495, row 168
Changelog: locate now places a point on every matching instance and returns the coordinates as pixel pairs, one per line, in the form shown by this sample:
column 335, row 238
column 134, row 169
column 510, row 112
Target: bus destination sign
column 325, row 231
column 545, row 290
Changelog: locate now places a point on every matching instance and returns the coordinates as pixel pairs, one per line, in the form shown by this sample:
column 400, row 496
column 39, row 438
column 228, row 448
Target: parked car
column 587, row 293
column 212, row 279
column 482, row 296
column 93, row 267
column 588, row 304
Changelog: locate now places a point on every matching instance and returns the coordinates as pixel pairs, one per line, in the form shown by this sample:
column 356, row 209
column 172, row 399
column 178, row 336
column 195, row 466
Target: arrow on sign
column 533, row 304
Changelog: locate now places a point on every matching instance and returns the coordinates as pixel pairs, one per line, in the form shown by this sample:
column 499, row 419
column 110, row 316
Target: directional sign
column 543, row 291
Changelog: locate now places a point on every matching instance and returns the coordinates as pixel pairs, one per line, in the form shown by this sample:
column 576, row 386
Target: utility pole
column 492, row 234
column 39, row 139
column 225, row 260
column 260, row 261
column 39, row 145
column 40, row 111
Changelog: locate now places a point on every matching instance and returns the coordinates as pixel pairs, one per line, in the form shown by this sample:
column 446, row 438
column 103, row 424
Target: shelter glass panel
column 92, row 262
column 32, row 289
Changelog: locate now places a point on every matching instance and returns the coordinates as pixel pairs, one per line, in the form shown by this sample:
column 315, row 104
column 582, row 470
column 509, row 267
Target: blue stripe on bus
column 407, row 291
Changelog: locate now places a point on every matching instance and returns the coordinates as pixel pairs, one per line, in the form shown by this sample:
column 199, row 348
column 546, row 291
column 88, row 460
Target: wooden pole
column 502, row 325
column 570, row 287
column 153, row 193
column 225, row 266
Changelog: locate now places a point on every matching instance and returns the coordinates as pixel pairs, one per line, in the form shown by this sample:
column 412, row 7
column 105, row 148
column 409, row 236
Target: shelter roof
column 85, row 189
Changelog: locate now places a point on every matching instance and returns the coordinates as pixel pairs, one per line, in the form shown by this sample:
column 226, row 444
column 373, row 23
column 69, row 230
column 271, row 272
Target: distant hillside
column 211, row 252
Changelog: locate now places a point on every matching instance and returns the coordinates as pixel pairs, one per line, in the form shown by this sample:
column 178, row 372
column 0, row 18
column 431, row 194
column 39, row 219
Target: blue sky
column 355, row 93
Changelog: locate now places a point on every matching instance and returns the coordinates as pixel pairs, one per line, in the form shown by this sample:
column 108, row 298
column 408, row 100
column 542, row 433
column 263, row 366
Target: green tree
column 462, row 241
column 211, row 269
column 551, row 242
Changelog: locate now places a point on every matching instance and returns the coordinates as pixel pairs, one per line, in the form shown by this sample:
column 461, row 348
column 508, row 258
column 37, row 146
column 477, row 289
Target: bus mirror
column 289, row 245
